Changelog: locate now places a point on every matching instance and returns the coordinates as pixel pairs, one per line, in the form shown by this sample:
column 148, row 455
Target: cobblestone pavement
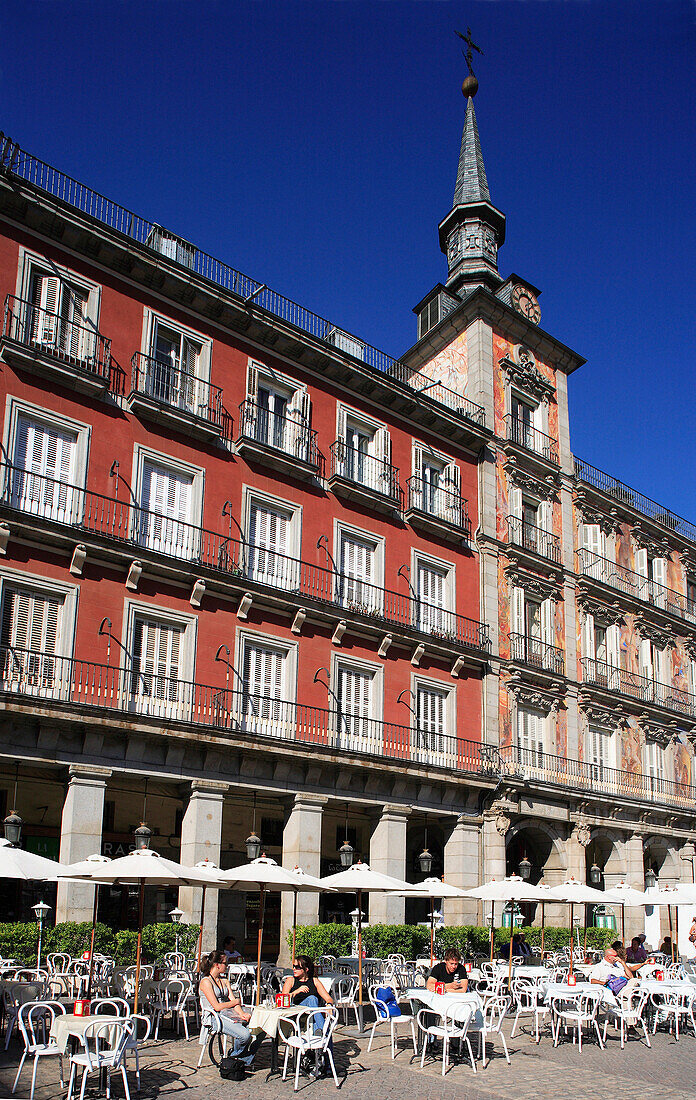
column 168, row 1069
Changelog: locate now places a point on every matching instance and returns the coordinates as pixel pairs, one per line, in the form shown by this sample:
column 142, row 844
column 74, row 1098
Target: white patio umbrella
column 433, row 888
column 512, row 888
column 80, row 871
column 143, row 867
column 361, row 879
column 622, row 894
column 575, row 893
column 212, row 869
column 681, row 894
column 18, row 864
column 264, row 874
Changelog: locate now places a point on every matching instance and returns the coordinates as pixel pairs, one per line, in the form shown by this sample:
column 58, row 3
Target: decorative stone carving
column 545, row 488
column 604, row 614
column 690, row 647
column 543, row 587
column 502, row 822
column 582, row 833
column 601, row 716
column 660, row 548
column 657, row 634
column 522, row 369
column 608, row 523
column 530, row 696
column 652, row 731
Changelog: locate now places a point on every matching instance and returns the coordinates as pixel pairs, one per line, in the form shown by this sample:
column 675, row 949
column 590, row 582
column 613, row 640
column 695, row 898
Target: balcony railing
column 57, row 337
column 530, row 537
column 165, row 382
column 288, row 434
column 84, row 511
column 143, row 692
column 631, row 497
column 524, row 435
column 23, row 165
column 438, row 502
column 538, row 654
column 640, row 688
column 363, row 469
column 635, row 585
column 577, row 774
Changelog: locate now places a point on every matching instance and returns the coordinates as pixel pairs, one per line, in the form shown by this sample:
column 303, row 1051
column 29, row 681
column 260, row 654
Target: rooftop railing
column 16, row 161
column 127, row 522
column 578, row 774
column 531, row 537
column 631, row 497
column 636, row 585
column 57, row 337
column 641, row 688
column 142, row 691
column 524, row 435
column 167, row 383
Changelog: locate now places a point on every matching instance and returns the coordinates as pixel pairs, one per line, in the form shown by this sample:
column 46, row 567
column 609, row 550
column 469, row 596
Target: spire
column 471, row 185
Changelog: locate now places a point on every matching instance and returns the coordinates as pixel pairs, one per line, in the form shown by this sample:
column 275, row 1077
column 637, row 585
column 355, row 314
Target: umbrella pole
column 294, row 923
column 432, row 931
column 675, row 941
column 138, row 949
column 360, row 968
column 623, row 930
column 584, row 947
column 200, row 931
column 91, row 943
column 571, row 938
column 512, row 926
column 492, row 926
column 543, row 915
column 671, row 940
column 258, row 949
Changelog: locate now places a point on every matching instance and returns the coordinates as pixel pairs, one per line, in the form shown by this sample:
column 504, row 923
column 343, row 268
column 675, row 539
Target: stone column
column 81, row 836
column 576, row 851
column 388, row 856
column 687, row 863
column 634, row 919
column 496, row 823
column 201, row 836
column 301, row 848
column 462, row 860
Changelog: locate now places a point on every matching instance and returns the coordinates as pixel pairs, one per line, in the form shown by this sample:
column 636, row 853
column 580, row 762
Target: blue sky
column 313, row 145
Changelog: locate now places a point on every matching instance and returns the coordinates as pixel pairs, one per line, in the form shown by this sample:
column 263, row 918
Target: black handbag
column 231, row 1069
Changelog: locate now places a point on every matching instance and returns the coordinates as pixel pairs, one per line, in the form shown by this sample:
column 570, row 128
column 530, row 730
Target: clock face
column 525, row 303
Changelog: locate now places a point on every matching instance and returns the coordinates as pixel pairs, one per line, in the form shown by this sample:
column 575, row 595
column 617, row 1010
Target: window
column 172, row 374
column 434, row 721
column 524, row 423
column 360, row 569
column 62, row 308
column 691, row 596
column 532, row 629
column 437, row 486
column 48, row 461
column 435, row 596
column 594, row 551
column 31, row 641
column 364, row 452
column 277, row 412
column 654, row 764
column 156, row 661
column 269, row 544
column 530, row 737
column 267, row 671
column 429, row 316
column 601, row 749
column 358, row 702
column 170, row 495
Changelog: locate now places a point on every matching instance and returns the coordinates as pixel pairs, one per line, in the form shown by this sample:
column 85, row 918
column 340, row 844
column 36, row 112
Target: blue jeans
column 319, row 1018
column 241, row 1036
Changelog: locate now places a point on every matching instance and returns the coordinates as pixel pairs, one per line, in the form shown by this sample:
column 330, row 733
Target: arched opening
column 604, row 868
column 537, row 843
column 418, row 909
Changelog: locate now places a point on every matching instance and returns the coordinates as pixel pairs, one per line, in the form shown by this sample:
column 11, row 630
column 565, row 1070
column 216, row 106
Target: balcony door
column 433, row 617
column 431, row 716
column 269, row 535
column 601, row 753
column 57, row 318
column 156, row 688
column 263, row 710
column 356, row 730
column 357, row 586
column 530, row 738
column 271, row 418
column 173, row 371
column 31, row 623
column 44, row 461
column 166, row 512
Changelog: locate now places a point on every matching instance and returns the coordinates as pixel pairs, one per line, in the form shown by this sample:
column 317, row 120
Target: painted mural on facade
column 631, row 747
column 451, row 366
column 504, row 710
column 503, row 610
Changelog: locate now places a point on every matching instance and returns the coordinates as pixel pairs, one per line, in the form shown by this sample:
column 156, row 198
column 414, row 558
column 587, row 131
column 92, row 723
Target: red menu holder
column 572, row 980
column 468, row 967
column 85, row 956
column 81, row 1008
column 282, row 1000
column 440, row 987
column 659, row 975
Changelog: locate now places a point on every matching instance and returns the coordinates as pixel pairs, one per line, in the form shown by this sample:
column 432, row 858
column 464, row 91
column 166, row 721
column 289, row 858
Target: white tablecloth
column 440, row 1002
column 562, row 989
column 670, row 985
column 63, row 1027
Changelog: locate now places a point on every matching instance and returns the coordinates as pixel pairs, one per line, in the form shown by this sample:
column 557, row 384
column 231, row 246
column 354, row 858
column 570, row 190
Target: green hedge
column 380, row 940
column 20, row 941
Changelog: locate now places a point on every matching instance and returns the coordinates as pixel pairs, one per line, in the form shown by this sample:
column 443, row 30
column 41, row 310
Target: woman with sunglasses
column 305, row 989
column 222, row 1011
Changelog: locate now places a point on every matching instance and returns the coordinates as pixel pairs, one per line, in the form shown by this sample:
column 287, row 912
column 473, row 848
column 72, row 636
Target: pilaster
column 201, row 836
column 462, row 863
column 388, row 856
column 81, row 836
column 301, row 848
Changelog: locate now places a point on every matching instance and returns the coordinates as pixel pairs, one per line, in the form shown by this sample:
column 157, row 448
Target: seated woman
column 305, row 989
column 223, row 1011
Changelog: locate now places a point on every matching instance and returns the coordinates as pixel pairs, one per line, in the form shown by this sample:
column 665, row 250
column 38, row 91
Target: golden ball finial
column 470, row 87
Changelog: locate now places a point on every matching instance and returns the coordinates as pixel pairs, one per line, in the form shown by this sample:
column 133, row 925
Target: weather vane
column 470, row 85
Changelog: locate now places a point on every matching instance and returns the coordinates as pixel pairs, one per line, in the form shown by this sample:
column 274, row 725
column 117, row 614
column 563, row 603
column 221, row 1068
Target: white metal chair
column 344, row 993
column 109, row 1006
column 204, row 1037
column 14, row 995
column 327, row 962
column 382, row 1017
column 58, row 962
column 628, row 1013
column 453, row 1025
column 34, row 1019
column 494, row 1012
column 672, row 1005
column 575, row 1011
column 144, row 1024
column 528, row 1001
column 96, row 1056
column 173, row 998
column 304, row 1040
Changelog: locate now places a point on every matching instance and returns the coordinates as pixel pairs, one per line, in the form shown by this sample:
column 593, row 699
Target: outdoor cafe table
column 439, row 1002
column 265, row 1019
column 70, row 1026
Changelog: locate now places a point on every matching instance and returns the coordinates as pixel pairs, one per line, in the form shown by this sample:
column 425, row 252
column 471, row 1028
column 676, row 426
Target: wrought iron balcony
column 85, row 512
column 145, row 694
column 640, row 688
column 574, row 775
column 633, row 499
column 537, row 654
column 18, row 163
column 284, row 442
column 362, row 477
column 437, row 508
column 163, row 391
column 534, row 539
column 531, row 439
column 55, row 346
column 635, row 585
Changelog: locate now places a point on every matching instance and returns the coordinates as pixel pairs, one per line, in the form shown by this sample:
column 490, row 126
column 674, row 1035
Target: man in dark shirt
column 450, row 972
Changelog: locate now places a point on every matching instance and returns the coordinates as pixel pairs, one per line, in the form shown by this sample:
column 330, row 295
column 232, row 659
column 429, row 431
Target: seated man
column 230, row 948
column 611, row 966
column 520, row 946
column 636, row 953
column 450, row 972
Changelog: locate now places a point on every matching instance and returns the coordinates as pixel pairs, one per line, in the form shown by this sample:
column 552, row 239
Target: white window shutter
column 613, row 643
column 642, row 562
column 546, row 516
column 381, row 445
column 515, row 502
column 588, row 641
column 417, row 461
column 659, row 570
column 517, row 611
column 645, row 656
column 548, row 616
column 252, row 384
column 46, row 298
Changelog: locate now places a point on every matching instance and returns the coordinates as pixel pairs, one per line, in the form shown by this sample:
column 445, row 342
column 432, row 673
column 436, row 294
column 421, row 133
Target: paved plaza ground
column 667, row 1072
